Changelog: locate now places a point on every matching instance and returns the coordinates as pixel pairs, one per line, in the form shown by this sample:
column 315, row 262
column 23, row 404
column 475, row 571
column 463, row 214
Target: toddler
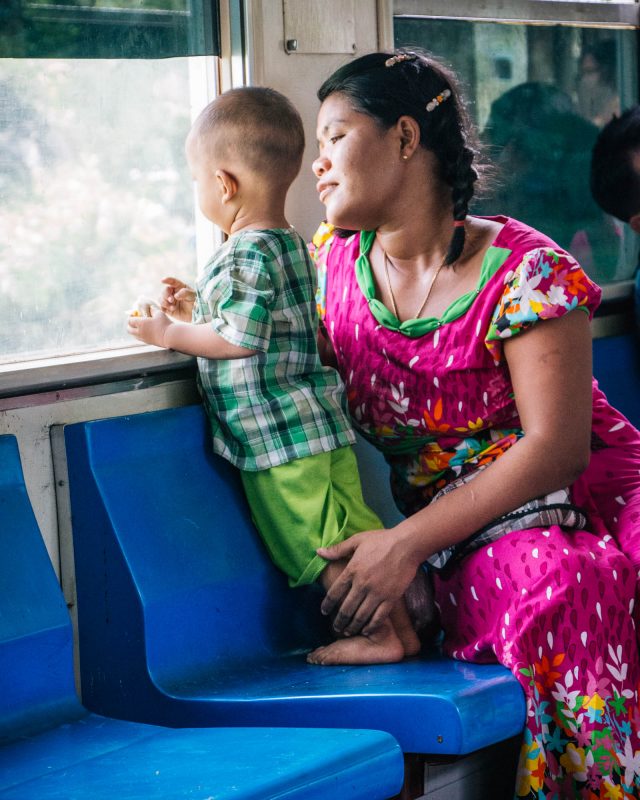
column 276, row 412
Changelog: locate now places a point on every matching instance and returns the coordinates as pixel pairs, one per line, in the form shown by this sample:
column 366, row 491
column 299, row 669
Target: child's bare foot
column 384, row 646
column 358, row 650
column 392, row 641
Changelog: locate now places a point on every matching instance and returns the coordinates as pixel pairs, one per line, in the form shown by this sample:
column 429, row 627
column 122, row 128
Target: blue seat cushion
column 103, row 759
column 184, row 620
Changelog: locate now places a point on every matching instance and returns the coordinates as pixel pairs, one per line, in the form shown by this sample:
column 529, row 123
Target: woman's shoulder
column 519, row 238
column 527, row 250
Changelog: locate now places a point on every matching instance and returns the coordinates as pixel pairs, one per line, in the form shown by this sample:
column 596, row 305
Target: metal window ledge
column 136, row 366
column 535, row 11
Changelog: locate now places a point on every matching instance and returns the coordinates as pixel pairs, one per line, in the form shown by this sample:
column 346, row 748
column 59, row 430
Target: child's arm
column 194, row 340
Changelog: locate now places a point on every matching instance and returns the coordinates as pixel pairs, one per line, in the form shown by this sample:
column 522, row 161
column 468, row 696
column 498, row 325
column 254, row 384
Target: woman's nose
column 319, row 166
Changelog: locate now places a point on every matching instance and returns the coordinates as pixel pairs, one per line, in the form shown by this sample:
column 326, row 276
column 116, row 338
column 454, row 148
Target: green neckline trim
column 494, row 258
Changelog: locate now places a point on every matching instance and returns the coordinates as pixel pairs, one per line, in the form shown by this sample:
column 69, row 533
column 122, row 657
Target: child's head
column 615, row 168
column 253, row 134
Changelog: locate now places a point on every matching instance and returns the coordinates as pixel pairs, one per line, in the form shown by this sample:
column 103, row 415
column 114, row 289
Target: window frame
column 40, row 380
column 552, row 12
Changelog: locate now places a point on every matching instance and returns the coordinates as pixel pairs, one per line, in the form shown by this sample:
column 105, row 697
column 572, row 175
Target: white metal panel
column 319, row 26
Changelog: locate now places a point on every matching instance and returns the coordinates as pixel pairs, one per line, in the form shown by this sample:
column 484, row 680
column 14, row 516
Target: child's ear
column 227, row 185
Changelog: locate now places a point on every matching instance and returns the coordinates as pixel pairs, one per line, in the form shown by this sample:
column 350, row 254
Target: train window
column 108, row 28
column 96, row 201
column 539, row 93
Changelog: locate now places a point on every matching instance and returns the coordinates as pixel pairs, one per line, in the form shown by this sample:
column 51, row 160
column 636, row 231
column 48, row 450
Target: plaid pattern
column 258, row 292
column 552, row 509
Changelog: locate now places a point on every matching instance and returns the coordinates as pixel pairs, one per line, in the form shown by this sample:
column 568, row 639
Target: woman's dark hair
column 387, row 86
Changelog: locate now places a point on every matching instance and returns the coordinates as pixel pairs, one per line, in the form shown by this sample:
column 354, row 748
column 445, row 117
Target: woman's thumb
column 337, row 551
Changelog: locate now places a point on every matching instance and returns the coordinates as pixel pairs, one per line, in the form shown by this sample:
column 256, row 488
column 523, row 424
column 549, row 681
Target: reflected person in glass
column 615, row 175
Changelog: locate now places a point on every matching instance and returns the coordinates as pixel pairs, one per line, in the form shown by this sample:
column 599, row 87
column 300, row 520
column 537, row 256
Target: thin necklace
column 387, row 260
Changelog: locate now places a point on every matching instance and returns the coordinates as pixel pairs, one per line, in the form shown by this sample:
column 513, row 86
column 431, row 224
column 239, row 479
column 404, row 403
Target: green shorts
column 305, row 504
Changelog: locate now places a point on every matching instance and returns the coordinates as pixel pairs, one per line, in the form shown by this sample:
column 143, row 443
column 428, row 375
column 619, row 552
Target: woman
column 465, row 347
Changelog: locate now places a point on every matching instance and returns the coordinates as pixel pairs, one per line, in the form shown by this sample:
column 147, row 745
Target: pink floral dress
column 556, row 606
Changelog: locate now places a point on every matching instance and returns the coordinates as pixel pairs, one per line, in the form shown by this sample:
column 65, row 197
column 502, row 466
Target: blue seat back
column 36, row 647
column 616, row 365
column 148, row 489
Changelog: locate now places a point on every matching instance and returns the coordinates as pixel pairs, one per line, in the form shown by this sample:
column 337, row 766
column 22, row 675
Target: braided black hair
column 411, row 81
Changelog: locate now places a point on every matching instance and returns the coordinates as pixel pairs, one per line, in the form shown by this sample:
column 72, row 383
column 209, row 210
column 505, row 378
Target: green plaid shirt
column 258, row 292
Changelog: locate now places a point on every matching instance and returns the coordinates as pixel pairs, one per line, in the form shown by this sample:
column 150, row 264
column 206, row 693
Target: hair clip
column 391, row 62
column 438, row 99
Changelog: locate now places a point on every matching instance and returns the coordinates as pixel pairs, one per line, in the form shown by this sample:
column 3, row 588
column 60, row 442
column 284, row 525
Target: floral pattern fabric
column 555, row 606
column 441, row 405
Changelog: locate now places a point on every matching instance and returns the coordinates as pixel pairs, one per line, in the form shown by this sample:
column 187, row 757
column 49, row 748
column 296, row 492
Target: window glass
column 539, row 94
column 108, row 28
column 96, row 200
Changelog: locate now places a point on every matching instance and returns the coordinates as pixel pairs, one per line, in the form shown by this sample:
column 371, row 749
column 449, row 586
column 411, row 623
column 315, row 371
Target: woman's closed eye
column 328, row 140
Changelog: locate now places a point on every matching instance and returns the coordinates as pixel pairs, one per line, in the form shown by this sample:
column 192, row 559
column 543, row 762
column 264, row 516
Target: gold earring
column 405, row 157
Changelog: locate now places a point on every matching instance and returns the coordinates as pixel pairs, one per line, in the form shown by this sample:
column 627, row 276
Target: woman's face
column 359, row 166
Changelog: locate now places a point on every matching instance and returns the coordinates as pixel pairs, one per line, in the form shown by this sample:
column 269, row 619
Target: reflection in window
column 108, row 28
column 539, row 95
column 96, row 201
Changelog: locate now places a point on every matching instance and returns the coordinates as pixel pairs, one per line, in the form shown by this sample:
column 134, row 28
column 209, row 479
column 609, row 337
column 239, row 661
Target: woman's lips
column 324, row 189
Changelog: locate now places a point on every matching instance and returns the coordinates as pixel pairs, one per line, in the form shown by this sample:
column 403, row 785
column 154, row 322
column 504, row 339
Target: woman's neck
column 417, row 243
column 419, row 225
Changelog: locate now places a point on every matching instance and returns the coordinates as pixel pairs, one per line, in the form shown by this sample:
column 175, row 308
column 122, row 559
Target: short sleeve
column 240, row 298
column 319, row 249
column 546, row 284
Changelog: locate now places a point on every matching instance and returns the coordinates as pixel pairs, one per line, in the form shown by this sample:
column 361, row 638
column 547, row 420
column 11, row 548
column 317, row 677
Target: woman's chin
column 343, row 221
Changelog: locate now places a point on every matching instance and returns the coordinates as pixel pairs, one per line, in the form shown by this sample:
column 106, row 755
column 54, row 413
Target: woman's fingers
column 361, row 617
column 356, row 610
column 336, row 595
column 364, row 593
column 379, row 616
column 348, row 612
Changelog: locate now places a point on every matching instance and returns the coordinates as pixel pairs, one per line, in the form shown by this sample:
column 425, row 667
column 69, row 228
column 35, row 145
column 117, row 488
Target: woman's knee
column 584, row 601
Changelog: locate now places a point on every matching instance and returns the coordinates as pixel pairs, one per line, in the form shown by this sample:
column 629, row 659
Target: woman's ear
column 227, row 185
column 409, row 132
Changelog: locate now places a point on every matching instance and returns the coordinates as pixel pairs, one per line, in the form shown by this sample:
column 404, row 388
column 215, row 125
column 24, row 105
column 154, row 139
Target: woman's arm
column 325, row 348
column 551, row 373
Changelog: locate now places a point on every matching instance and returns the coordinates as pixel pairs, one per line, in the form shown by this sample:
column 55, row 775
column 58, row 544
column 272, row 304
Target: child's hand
column 150, row 330
column 143, row 307
column 177, row 299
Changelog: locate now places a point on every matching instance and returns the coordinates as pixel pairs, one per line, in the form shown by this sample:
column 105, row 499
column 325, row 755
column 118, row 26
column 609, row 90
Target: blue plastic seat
column 184, row 620
column 616, row 365
column 51, row 748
